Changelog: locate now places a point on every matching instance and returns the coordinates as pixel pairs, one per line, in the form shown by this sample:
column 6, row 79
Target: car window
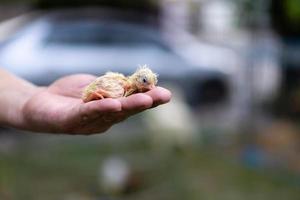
column 96, row 33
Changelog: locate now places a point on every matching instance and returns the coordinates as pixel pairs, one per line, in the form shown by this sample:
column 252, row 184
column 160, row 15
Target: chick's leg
column 101, row 94
column 129, row 92
column 98, row 95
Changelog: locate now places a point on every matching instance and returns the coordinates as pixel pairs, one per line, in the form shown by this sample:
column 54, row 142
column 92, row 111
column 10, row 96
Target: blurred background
column 231, row 130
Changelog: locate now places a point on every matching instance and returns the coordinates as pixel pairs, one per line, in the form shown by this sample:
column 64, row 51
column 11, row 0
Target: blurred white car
column 61, row 42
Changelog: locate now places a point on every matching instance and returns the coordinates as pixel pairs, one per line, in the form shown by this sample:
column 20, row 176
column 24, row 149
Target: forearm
column 14, row 93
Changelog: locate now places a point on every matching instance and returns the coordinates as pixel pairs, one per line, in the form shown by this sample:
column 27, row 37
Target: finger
column 92, row 120
column 91, row 129
column 102, row 122
column 159, row 96
column 102, row 106
column 136, row 102
column 113, row 118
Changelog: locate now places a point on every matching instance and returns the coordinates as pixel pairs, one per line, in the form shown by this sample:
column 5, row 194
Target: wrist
column 14, row 93
column 20, row 114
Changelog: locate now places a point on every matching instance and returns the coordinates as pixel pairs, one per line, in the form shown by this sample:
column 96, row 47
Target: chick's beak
column 151, row 87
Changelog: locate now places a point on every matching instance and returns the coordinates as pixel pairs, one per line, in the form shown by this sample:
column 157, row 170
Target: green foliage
column 67, row 168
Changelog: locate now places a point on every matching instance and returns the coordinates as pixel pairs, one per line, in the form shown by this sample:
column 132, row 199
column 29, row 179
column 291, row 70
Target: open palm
column 59, row 107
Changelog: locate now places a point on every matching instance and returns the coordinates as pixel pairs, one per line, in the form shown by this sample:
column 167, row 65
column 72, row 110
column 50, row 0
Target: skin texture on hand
column 60, row 109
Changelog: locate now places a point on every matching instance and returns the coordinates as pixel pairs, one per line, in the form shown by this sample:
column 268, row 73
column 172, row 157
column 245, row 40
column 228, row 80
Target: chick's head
column 144, row 79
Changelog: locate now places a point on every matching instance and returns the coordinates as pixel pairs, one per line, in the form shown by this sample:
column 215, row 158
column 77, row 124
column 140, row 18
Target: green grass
column 66, row 168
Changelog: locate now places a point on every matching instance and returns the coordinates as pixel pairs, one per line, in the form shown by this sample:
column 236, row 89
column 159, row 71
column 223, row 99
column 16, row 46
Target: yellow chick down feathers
column 115, row 85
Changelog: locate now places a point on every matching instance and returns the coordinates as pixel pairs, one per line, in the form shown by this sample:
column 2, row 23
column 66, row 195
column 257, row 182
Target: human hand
column 60, row 109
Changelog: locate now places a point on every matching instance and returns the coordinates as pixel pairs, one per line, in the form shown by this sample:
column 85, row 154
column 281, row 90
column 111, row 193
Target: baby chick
column 115, row 85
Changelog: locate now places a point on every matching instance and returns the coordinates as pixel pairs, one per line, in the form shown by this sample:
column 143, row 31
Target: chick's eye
column 144, row 80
